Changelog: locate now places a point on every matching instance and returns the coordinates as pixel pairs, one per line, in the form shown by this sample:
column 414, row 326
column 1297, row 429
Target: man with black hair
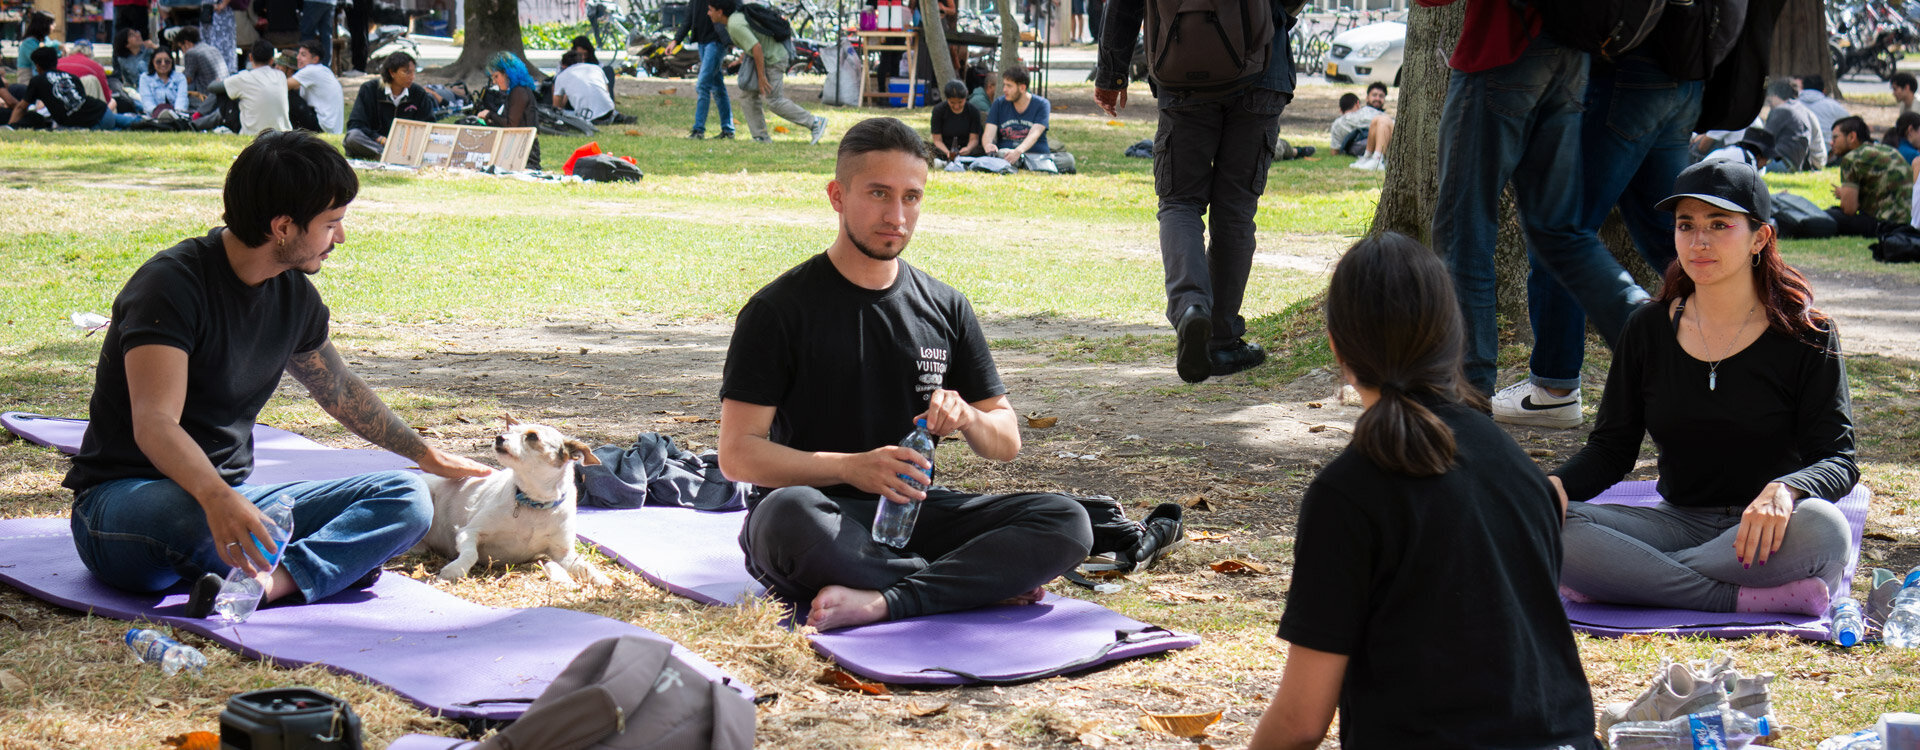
column 1016, row 128
column 1903, row 84
column 393, row 97
column 581, row 88
column 1798, row 143
column 55, row 97
column 1876, row 183
column 202, row 64
column 317, row 87
column 712, row 83
column 201, row 334
column 261, row 92
column 763, row 74
column 819, row 440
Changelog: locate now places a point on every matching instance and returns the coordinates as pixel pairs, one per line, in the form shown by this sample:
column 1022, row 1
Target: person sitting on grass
column 822, row 446
column 1876, row 183
column 581, row 88
column 203, row 64
column 163, row 88
column 1364, row 130
column 317, row 87
column 1754, row 149
column 260, row 92
column 1741, row 384
column 201, row 335
column 64, row 102
column 956, row 127
column 1428, row 551
column 1016, row 128
column 378, row 103
column 131, row 51
column 516, row 109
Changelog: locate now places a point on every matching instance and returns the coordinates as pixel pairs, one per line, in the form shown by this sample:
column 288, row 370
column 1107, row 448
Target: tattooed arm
column 345, row 396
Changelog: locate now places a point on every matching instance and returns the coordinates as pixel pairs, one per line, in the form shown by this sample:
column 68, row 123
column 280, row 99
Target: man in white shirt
column 261, row 91
column 317, row 86
column 1364, row 130
column 581, row 88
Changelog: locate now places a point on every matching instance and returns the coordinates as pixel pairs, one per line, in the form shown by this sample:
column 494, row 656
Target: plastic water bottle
column 241, row 593
column 893, row 522
column 1846, row 626
column 1902, row 628
column 154, row 647
column 1865, row 739
column 1724, row 729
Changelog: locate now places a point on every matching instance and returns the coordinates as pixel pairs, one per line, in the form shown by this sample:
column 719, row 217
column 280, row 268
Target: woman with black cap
column 1740, row 382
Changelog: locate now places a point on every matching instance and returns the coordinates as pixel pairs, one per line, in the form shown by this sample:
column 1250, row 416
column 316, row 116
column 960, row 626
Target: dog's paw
column 450, row 574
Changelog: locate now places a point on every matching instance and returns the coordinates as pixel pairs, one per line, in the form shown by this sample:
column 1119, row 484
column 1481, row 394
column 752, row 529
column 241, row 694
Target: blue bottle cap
column 922, row 424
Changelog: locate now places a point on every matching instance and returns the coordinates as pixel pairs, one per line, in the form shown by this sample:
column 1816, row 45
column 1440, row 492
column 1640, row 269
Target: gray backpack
column 630, row 693
column 1195, row 45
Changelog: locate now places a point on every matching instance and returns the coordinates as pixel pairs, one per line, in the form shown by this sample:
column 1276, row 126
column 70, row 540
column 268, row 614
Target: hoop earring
column 1756, row 257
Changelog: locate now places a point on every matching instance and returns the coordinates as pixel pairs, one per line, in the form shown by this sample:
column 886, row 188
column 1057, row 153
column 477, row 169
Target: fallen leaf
column 779, row 128
column 1238, row 566
column 1206, row 535
column 194, row 741
column 840, row 679
column 11, row 683
column 635, row 132
column 1038, row 422
column 669, row 92
column 1196, row 502
column 1093, row 740
column 1314, row 404
column 916, row 709
column 1114, row 123
column 681, row 418
column 1179, row 725
column 1539, row 452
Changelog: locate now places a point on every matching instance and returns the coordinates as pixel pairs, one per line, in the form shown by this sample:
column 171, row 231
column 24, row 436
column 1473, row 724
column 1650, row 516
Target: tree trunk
column 1800, row 44
column 491, row 26
column 935, row 30
column 1009, row 36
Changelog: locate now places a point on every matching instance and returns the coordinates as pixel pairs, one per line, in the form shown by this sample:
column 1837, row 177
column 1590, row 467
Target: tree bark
column 491, row 26
column 1800, row 44
column 933, row 26
column 1009, row 36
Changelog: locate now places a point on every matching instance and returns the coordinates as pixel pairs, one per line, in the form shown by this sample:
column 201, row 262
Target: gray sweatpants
column 966, row 550
column 755, row 105
column 1210, row 160
column 1670, row 556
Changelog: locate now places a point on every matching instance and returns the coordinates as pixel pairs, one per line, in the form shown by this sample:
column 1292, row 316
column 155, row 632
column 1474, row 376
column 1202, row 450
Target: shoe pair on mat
column 1682, row 688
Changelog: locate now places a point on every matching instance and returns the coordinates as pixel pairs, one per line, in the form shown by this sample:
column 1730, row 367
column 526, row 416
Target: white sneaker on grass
column 1364, row 162
column 1524, row 403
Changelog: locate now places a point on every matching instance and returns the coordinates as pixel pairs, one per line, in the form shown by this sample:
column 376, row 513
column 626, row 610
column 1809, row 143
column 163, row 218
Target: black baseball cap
column 1727, row 184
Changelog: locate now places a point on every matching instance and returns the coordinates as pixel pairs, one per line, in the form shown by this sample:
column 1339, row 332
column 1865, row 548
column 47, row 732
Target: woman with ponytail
column 1423, row 601
column 1740, row 383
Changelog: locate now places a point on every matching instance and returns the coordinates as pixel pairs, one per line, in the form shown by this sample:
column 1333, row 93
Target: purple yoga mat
column 278, row 455
column 1614, row 620
column 693, row 553
column 443, row 653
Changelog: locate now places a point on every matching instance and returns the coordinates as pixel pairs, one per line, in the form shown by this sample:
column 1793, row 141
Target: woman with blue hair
column 510, row 76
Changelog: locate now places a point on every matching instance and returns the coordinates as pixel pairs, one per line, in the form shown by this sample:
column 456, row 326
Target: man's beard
column 871, row 252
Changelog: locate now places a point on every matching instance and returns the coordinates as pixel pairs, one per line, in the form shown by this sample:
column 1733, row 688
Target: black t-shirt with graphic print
column 67, row 103
column 846, row 368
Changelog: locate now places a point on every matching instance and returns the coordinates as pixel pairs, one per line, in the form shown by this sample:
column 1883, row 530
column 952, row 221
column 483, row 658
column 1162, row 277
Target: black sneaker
column 724, row 136
column 1243, row 355
column 697, row 135
column 1164, row 534
column 1190, row 353
column 200, row 601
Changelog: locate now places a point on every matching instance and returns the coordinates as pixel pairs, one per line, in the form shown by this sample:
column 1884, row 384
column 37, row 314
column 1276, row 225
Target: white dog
column 517, row 515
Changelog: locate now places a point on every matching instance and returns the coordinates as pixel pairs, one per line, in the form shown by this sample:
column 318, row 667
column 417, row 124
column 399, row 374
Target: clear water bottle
column 1902, row 629
column 1846, row 626
column 1865, row 739
column 240, row 595
column 893, row 522
column 1724, row 728
column 154, row 647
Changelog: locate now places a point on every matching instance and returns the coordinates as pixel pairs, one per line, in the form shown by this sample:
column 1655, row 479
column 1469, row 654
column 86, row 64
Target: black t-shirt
column 848, row 368
column 1779, row 411
column 67, row 102
column 237, row 339
column 953, row 128
column 1442, row 591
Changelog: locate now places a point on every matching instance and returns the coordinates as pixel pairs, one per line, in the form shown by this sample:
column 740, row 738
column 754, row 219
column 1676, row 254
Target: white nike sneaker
column 1524, row 403
column 1364, row 162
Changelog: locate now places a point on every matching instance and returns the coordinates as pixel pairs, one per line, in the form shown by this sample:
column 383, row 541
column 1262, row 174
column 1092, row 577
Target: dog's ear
column 510, row 420
column 583, row 452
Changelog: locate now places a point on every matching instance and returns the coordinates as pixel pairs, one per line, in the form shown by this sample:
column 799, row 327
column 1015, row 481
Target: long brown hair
column 1784, row 293
column 1396, row 327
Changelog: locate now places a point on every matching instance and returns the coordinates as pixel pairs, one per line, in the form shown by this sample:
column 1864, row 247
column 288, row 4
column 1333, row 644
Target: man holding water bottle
column 200, row 336
column 830, row 366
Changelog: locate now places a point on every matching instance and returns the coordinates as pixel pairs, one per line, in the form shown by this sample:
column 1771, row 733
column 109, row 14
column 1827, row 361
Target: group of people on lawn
column 1431, row 552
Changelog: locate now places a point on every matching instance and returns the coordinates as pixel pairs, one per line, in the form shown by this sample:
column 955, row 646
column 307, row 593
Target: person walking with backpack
column 1512, row 113
column 1220, row 107
column 712, row 83
column 763, row 70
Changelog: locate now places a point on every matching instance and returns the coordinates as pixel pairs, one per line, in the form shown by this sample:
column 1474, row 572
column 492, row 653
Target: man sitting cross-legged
column 200, row 336
column 829, row 367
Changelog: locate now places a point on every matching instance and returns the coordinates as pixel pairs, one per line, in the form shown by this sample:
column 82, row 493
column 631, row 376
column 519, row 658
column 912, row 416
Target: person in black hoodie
column 394, row 97
column 712, row 84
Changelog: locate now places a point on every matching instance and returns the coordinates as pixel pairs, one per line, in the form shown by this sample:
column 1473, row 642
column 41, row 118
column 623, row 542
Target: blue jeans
column 1521, row 121
column 116, row 121
column 712, row 86
column 149, row 534
column 316, row 22
column 1633, row 143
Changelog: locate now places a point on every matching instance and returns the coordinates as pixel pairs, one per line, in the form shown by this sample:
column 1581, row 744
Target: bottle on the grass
column 893, row 522
column 154, row 647
column 1865, row 739
column 1846, row 626
column 241, row 593
column 1902, row 628
column 1720, row 728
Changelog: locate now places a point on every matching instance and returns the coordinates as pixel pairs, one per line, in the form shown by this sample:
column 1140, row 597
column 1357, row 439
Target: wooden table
column 873, row 42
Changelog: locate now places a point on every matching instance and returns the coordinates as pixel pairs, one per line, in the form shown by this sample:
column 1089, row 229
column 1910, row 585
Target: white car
column 1368, row 53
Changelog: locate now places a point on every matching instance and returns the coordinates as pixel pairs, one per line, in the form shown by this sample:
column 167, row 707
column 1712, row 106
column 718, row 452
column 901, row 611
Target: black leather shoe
column 1193, row 330
column 726, row 135
column 697, row 135
column 1243, row 355
column 1164, row 533
column 200, row 601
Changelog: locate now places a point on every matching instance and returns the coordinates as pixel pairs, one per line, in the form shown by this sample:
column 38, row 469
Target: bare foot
column 1031, row 597
column 842, row 607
